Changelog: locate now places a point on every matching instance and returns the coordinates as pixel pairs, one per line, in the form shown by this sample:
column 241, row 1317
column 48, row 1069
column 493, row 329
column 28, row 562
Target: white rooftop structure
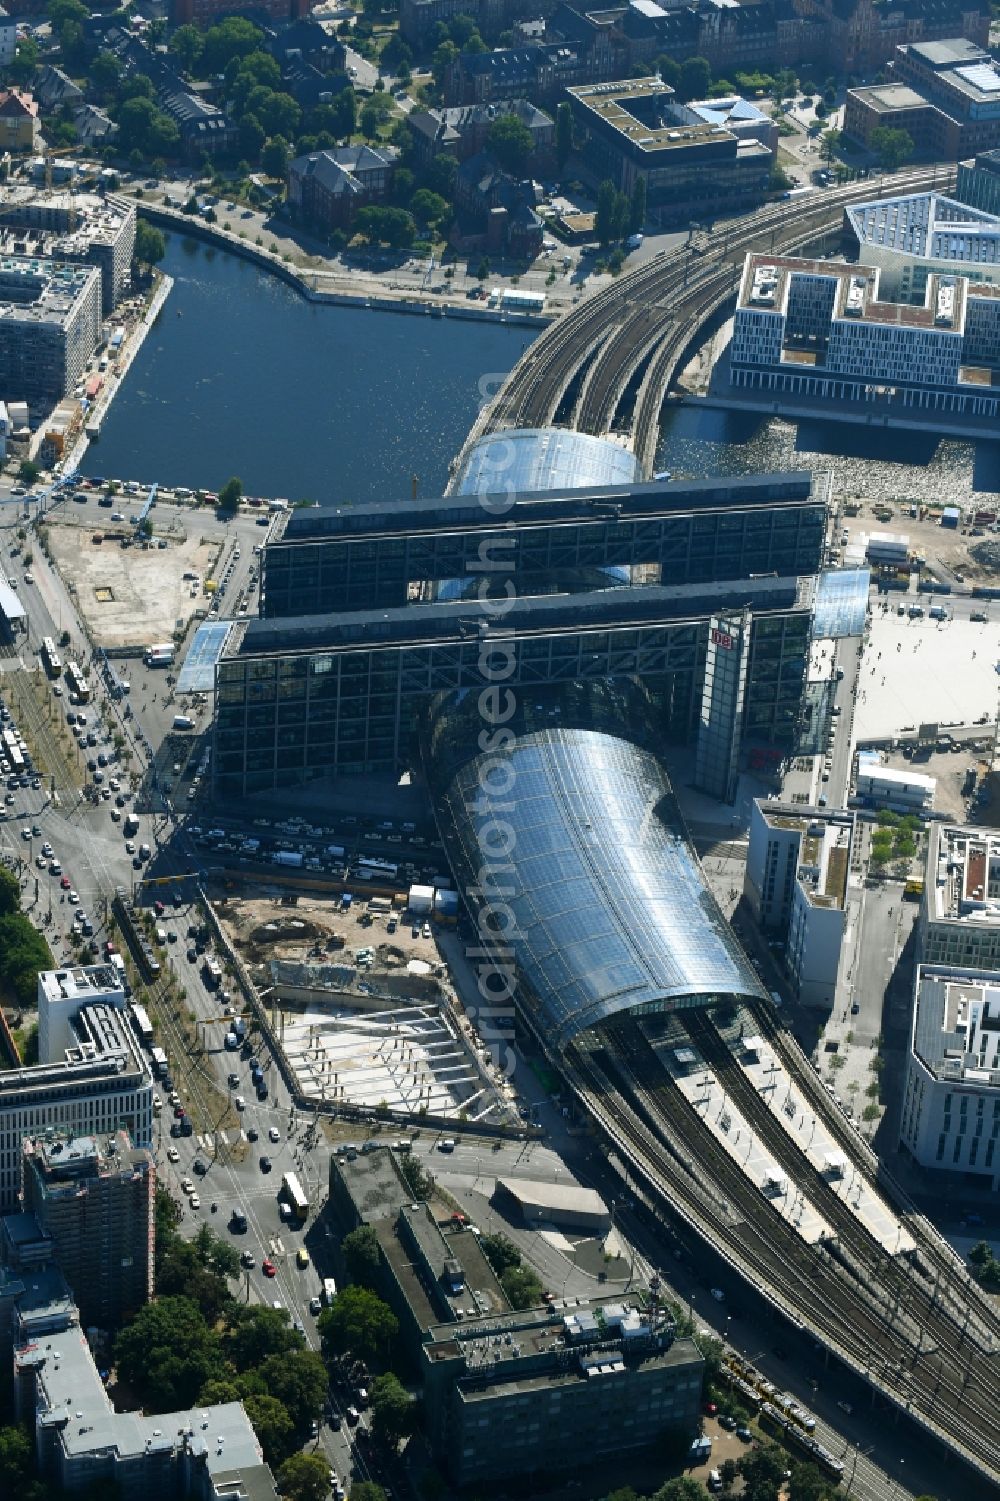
column 909, row 237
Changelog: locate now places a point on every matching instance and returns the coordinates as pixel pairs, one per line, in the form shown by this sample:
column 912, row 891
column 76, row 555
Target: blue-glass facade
column 543, row 458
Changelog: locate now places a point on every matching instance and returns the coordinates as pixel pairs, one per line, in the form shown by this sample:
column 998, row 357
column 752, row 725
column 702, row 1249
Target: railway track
column 911, row 1330
column 539, row 381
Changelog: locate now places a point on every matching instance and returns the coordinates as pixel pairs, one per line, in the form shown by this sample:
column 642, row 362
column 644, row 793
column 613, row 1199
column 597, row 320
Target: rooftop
column 824, row 848
column 612, row 104
column 962, row 883
column 948, row 53
column 891, row 96
column 956, row 1025
column 928, row 225
column 80, row 982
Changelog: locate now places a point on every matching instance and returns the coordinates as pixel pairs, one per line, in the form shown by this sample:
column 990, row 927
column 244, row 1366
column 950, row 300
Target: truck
column 160, row 654
column 159, row 1061
column 211, row 973
column 131, row 825
column 291, row 858
column 329, row 1290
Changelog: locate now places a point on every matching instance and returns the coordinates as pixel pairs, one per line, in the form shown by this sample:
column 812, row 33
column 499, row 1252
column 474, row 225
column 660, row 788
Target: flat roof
column 559, row 1197
column 198, row 672
column 956, row 1022
column 892, row 96
column 609, row 103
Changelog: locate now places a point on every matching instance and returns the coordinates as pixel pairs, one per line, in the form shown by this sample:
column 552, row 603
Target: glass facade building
column 543, row 458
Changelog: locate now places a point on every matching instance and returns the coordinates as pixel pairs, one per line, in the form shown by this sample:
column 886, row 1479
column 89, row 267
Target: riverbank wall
column 304, row 282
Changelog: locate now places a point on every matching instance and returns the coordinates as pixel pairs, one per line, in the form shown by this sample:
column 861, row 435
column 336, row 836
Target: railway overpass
column 606, row 366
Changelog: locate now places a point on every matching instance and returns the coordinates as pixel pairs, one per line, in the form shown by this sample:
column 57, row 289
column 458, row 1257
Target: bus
column 51, row 660
column 292, row 1190
column 142, row 1024
column 77, row 682
column 12, row 751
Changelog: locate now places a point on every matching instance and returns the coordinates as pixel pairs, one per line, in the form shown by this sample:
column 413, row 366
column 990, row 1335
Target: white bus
column 292, row 1190
column 51, row 660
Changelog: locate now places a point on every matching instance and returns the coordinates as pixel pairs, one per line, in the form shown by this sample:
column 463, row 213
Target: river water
column 242, row 376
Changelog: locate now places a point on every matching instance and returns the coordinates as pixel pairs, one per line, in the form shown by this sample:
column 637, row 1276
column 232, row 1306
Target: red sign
column 723, row 639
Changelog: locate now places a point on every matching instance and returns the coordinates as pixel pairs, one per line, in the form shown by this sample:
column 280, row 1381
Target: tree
column 442, row 60
column 511, row 142
column 10, row 892
column 830, row 143
column 806, row 1483
column 522, row 1287
column 383, row 225
column 252, row 137
column 229, row 495
column 374, row 114
column 763, row 1470
column 167, row 1353
column 297, row 1378
column 604, row 220
column 892, row 147
column 272, row 1423
column 304, row 1477
column 234, row 37
column 144, row 128
column 501, row 1252
column 360, row 1248
column 26, row 57
column 367, row 1490
column 150, row 246
column 392, row 1409
column 280, row 116
column 28, row 471
column 637, row 207
column 274, row 157
column 429, row 209
column 681, row 1488
column 186, row 45
column 105, row 72
column 358, row 1321
column 256, row 1332
column 564, row 133
column 695, row 78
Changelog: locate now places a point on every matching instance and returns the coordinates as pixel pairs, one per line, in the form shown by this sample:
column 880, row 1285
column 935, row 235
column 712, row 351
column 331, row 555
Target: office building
column 950, row 1119
column 101, row 1085
column 61, row 993
column 910, row 238
column 629, row 132
column 960, row 911
column 507, row 1394
column 88, row 229
column 822, row 329
column 878, row 786
column 50, row 325
column 978, row 182
column 95, row 1198
column 797, row 872
column 741, row 117
column 944, row 94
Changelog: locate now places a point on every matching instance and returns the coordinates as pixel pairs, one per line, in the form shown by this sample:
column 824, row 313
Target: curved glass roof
column 544, row 458
column 611, row 910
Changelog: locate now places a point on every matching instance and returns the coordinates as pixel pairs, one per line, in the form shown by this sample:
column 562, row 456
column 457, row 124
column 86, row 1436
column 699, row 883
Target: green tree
column 380, row 224
column 150, row 246
column 442, row 60
column 511, row 142
column 167, row 1353
column 359, row 1322
column 234, row 37
column 297, row 1378
column 105, row 72
column 418, row 1180
column 806, row 1483
column 257, row 1331
column 604, row 220
column 762, row 1470
column 392, row 1409
column 304, row 1477
column 275, row 156
column 17, row 1457
column 219, row 1389
column 681, row 1488
column 146, row 129
column 281, row 116
column 216, row 1254
column 230, row 494
column 500, row 1251
column 429, row 209
column 360, row 1248
column 695, row 78
column 186, row 45
column 637, row 207
column 272, row 1423
column 564, row 133
column 23, row 952
column 252, row 137
column 892, row 147
column 28, row 471
column 830, row 143
column 26, row 58
column 522, row 1287
column 366, row 1490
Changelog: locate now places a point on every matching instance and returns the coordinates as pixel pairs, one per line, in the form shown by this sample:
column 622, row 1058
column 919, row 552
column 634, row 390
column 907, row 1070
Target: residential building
column 95, row 1200
column 205, row 129
column 821, row 329
column 944, row 94
column 307, row 41
column 495, row 211
column 630, row 132
column 978, row 182
column 950, row 1120
column 327, row 188
column 908, row 238
column 61, row 993
column 18, row 120
column 8, row 38
column 89, row 229
column 54, row 89
column 464, row 131
column 207, row 12
column 101, row 1084
column 50, row 325
column 960, row 911
column 797, row 872
column 505, row 1393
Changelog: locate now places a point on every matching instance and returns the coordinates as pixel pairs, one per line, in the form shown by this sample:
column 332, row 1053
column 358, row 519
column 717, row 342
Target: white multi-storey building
column 951, row 1100
column 798, row 864
column 960, row 911
column 823, row 329
column 61, row 993
column 100, row 1085
column 910, row 238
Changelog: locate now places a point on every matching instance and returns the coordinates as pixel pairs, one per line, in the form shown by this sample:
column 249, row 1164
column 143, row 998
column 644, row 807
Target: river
column 241, row 375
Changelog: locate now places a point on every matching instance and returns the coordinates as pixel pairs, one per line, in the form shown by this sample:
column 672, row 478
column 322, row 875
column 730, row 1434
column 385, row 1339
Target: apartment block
column 94, row 1198
column 822, row 328
column 100, row 1085
column 960, row 911
column 50, row 324
column 78, row 228
column 798, row 866
column 950, row 1119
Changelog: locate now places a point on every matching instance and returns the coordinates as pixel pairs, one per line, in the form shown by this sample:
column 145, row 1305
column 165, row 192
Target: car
column 265, row 1164
column 195, row 1201
column 268, row 1267
column 315, row 1305
column 240, row 1102
column 179, row 1112
column 252, row 1133
column 248, row 1260
column 136, row 862
column 129, row 847
column 200, row 1167
column 273, row 1134
column 447, row 1145
column 117, row 516
column 709, row 1409
column 72, row 897
column 353, row 1416
column 26, row 835
column 173, row 1155
column 302, row 1258
column 284, row 1210
column 233, row 1081
column 743, row 1433
column 187, row 1185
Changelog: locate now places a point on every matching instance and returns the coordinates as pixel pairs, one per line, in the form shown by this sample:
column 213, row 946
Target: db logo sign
column 723, row 639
